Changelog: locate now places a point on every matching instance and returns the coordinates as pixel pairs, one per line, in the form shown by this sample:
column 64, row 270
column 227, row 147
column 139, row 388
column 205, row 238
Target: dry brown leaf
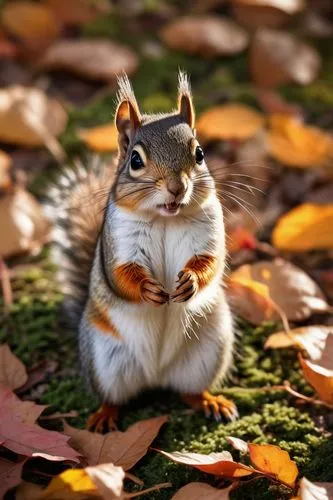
column 310, row 338
column 10, row 474
column 5, row 167
column 96, row 59
column 208, row 36
column 78, row 12
column 297, row 145
column 23, row 223
column 271, row 460
column 34, row 23
column 306, row 227
column 277, row 58
column 12, row 371
column 229, row 122
column 28, row 117
column 269, row 13
column 314, row 491
column 102, row 138
column 120, row 448
column 219, row 464
column 287, row 286
column 201, row 491
column 20, row 434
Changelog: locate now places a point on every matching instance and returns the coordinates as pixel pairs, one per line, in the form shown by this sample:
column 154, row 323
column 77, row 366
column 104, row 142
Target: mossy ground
column 34, row 332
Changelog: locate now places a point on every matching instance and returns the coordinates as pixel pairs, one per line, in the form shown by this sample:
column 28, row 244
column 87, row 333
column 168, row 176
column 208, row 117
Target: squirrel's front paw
column 153, row 292
column 187, row 287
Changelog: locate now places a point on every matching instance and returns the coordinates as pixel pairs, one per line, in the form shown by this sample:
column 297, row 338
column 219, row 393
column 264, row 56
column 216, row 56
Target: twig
column 133, row 478
column 148, row 490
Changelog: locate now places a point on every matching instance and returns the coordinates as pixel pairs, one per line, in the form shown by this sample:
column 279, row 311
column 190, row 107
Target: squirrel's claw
column 186, row 287
column 213, row 405
column 154, row 293
column 103, row 419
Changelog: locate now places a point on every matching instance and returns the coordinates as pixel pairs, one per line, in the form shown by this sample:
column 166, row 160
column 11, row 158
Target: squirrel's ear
column 128, row 117
column 185, row 104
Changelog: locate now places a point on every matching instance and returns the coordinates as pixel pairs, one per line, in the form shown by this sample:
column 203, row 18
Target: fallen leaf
column 35, row 24
column 5, row 168
column 277, row 58
column 19, row 434
column 219, row 464
column 28, row 491
column 287, row 286
column 107, row 479
column 310, row 338
column 271, row 460
column 320, row 378
column 238, row 444
column 297, row 145
column 272, row 102
column 200, row 491
column 12, row 371
column 8, row 49
column 10, row 474
column 102, row 138
column 208, row 35
column 39, row 373
column 123, row 449
column 240, row 238
column 28, row 116
column 265, row 13
column 229, row 122
column 96, row 59
column 23, row 223
column 306, row 227
column 78, row 12
column 314, row 491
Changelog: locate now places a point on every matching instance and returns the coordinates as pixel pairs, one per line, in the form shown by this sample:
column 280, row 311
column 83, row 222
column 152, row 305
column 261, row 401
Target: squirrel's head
column 161, row 165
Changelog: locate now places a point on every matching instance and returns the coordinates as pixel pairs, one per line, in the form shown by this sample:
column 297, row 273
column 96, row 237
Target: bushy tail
column 76, row 204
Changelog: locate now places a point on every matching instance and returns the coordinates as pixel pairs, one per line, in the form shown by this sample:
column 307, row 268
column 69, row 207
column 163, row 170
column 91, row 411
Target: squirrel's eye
column 199, row 155
column 136, row 161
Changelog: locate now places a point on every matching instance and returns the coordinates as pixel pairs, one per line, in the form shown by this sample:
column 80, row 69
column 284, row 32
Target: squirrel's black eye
column 136, row 161
column 199, row 155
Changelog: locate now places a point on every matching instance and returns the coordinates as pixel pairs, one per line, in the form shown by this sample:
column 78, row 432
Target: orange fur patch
column 98, row 316
column 128, row 279
column 204, row 267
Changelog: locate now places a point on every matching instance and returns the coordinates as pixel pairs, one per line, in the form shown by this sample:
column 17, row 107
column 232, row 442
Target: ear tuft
column 185, row 104
column 127, row 105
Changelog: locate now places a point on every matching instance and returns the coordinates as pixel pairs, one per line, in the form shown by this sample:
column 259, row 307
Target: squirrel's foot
column 187, row 286
column 153, row 292
column 212, row 405
column 103, row 420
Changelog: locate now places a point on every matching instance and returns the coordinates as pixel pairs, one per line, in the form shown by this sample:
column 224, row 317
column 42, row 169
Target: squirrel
column 141, row 255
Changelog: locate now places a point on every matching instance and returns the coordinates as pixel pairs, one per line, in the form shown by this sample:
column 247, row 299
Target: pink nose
column 176, row 187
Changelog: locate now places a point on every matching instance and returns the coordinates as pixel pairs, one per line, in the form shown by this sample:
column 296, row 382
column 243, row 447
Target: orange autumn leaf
column 320, row 378
column 240, row 238
column 295, row 144
column 32, row 22
column 102, row 138
column 271, row 460
column 306, row 227
column 229, row 122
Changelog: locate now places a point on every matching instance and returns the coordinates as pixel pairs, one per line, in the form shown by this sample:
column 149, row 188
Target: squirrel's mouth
column 169, row 208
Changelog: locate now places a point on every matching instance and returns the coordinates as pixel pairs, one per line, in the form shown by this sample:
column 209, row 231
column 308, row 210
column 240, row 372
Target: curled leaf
column 96, row 59
column 277, row 57
column 268, row 13
column 229, row 122
column 306, row 227
column 208, row 36
column 314, row 491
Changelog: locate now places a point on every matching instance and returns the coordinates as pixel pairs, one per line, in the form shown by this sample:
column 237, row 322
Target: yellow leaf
column 297, row 145
column 232, row 121
column 306, row 227
column 272, row 460
column 320, row 378
column 68, row 484
column 34, row 23
column 102, row 138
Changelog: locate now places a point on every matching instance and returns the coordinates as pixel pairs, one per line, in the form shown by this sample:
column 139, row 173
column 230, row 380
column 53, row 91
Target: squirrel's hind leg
column 104, row 419
column 212, row 405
